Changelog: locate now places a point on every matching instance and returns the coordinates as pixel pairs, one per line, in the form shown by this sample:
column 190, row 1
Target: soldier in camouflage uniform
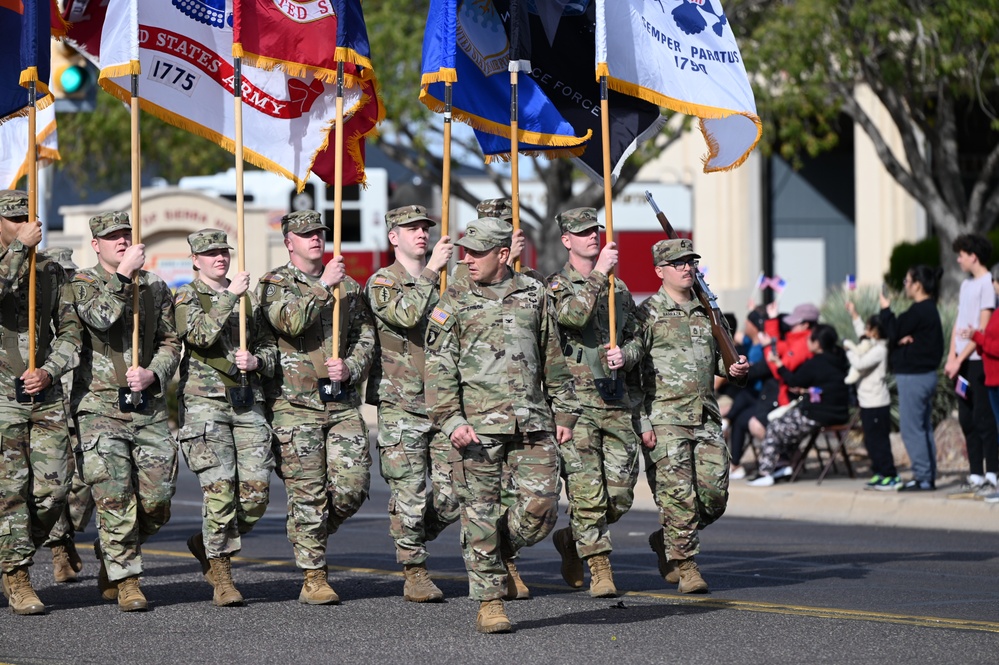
column 490, row 346
column 75, row 517
column 33, row 435
column 224, row 438
column 401, row 297
column 126, row 452
column 601, row 468
column 686, row 459
column 322, row 452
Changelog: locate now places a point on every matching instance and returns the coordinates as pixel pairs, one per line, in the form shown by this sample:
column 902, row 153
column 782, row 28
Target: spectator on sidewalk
column 869, row 359
column 987, row 342
column 915, row 347
column 964, row 366
column 825, row 401
column 746, row 401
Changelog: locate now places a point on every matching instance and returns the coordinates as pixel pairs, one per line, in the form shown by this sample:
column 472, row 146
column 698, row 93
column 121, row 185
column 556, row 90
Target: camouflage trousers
column 688, row 474
column 408, row 449
column 325, row 461
column 600, row 465
column 75, row 517
column 229, row 449
column 490, row 533
column 131, row 467
column 33, row 477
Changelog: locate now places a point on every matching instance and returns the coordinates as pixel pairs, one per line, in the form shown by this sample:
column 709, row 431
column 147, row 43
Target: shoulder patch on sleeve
column 84, row 277
column 440, row 316
column 555, row 283
column 272, row 278
column 383, row 281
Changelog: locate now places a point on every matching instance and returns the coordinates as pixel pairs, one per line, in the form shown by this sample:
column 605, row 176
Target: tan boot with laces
column 667, row 568
column 419, row 588
column 62, row 567
column 515, row 587
column 196, row 544
column 601, row 577
column 226, row 594
column 317, row 590
column 492, row 618
column 130, row 597
column 20, row 594
column 690, row 577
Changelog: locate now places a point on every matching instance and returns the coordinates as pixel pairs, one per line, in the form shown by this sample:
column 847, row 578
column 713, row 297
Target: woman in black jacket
column 825, row 401
column 915, row 348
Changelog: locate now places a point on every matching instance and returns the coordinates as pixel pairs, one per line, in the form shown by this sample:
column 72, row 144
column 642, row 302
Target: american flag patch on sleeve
column 383, row 281
column 439, row 316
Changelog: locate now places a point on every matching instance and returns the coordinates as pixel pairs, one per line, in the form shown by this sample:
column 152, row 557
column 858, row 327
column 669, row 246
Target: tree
column 933, row 65
column 395, row 29
column 95, row 148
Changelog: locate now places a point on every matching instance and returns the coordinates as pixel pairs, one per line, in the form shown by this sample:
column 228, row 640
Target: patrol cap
column 206, row 240
column 13, row 203
column 577, row 220
column 108, row 222
column 502, row 208
column 407, row 215
column 485, row 233
column 63, row 256
column 673, row 249
column 302, row 221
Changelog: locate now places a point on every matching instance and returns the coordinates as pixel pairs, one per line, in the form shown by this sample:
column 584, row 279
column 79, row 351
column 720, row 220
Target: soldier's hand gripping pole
column 719, row 330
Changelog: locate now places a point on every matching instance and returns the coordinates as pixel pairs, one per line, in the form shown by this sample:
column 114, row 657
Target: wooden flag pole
column 136, row 215
column 608, row 212
column 32, row 219
column 446, row 179
column 237, row 94
column 514, row 154
column 337, row 209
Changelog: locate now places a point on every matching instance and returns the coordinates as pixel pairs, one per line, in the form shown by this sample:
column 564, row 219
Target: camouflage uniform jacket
column 58, row 331
column 214, row 336
column 680, row 364
column 299, row 309
column 401, row 304
column 104, row 305
column 581, row 307
column 489, row 350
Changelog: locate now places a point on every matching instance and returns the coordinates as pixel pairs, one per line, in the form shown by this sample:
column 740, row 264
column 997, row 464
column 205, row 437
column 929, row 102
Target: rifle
column 726, row 345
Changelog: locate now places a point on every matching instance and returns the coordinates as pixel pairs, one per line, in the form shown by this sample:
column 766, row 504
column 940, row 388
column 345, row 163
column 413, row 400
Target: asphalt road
column 782, row 591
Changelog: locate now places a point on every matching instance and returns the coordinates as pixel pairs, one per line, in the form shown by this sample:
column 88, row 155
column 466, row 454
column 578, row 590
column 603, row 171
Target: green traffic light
column 72, row 79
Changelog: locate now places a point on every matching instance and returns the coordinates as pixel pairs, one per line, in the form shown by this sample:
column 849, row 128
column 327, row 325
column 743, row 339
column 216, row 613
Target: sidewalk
column 841, row 500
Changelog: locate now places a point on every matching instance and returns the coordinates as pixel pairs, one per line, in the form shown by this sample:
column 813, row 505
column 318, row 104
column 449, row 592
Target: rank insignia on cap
column 439, row 316
column 383, row 281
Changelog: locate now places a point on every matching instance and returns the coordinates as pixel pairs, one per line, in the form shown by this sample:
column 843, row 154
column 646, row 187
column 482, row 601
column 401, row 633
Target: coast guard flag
column 682, row 54
column 182, row 53
column 556, row 36
column 25, row 28
column 14, row 145
column 465, row 43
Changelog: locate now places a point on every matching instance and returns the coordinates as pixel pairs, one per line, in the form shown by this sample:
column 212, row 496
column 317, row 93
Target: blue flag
column 24, row 54
column 465, row 43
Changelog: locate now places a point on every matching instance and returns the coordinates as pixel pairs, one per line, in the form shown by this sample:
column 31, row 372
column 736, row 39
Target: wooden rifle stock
column 726, row 345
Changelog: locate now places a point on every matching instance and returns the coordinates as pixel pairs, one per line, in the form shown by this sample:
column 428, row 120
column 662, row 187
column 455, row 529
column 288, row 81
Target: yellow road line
column 719, row 603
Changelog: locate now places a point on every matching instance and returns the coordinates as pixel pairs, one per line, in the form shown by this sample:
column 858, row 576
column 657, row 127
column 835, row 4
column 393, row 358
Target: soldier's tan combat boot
column 62, row 567
column 419, row 588
column 690, row 577
column 572, row 565
column 666, row 568
column 601, row 577
column 317, row 590
column 20, row 594
column 107, row 588
column 226, row 594
column 130, row 597
column 196, row 544
column 492, row 618
column 515, row 587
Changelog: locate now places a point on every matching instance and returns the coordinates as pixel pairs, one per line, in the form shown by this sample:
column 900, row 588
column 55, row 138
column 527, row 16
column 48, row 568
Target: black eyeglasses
column 680, row 265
